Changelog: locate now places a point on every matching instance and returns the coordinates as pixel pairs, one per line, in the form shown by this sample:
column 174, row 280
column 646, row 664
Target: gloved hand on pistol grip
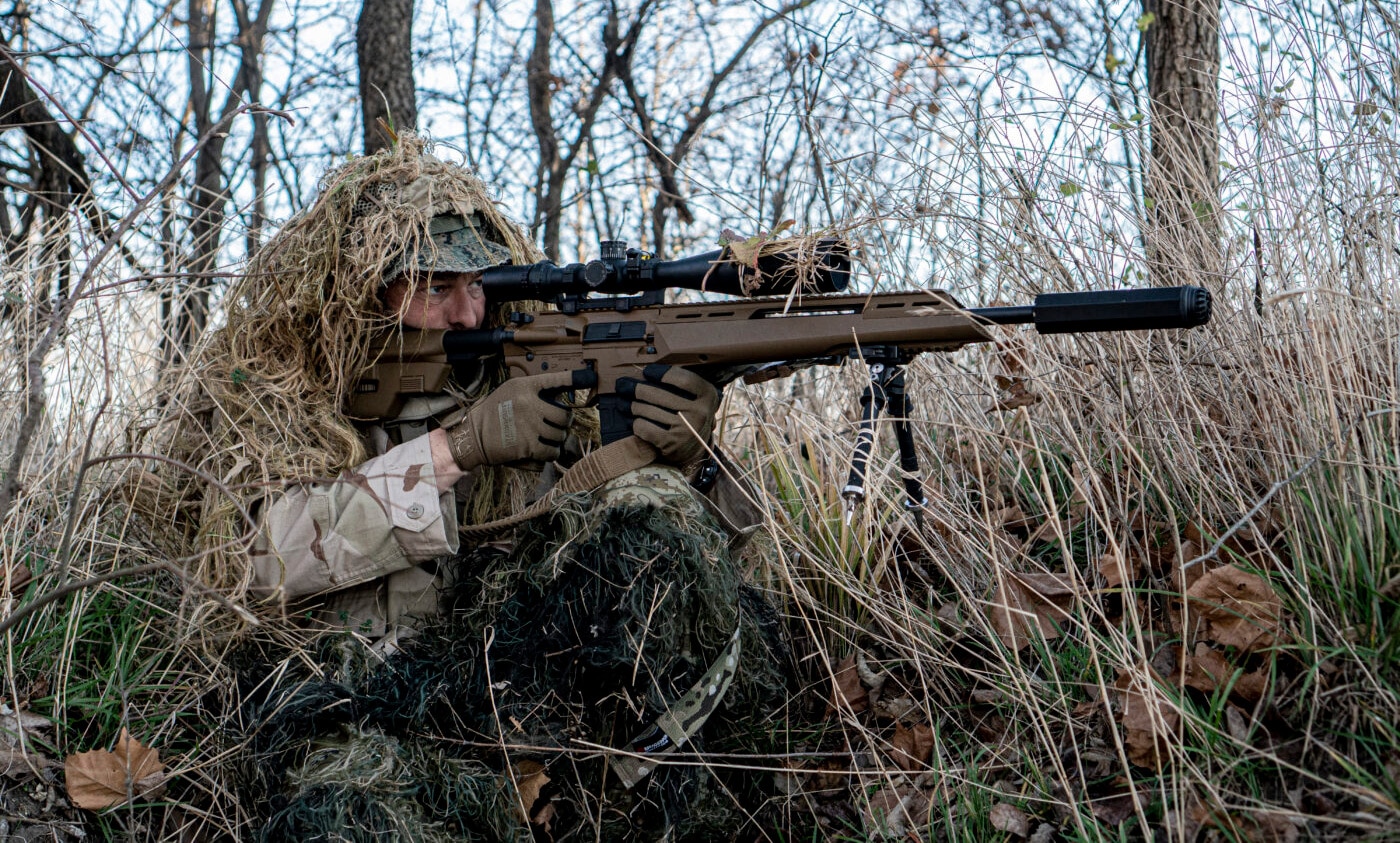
column 514, row 423
column 674, row 410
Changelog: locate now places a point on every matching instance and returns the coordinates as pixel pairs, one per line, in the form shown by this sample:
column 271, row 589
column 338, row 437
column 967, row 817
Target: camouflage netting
column 580, row 636
column 262, row 400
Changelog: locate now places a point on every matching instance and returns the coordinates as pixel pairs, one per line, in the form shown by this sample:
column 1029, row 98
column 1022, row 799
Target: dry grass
column 1267, row 442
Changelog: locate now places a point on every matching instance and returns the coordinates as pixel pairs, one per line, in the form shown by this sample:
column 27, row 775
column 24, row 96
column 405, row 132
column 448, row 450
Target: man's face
column 438, row 301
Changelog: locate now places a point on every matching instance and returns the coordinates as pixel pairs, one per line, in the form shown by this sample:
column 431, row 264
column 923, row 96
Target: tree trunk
column 188, row 304
column 539, row 82
column 1182, row 188
column 384, row 49
column 60, row 177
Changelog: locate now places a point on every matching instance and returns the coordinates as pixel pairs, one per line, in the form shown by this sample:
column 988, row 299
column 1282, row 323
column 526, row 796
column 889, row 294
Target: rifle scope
column 624, row 271
column 1111, row 310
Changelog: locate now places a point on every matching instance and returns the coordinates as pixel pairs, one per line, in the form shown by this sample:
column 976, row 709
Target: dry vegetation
column 1155, row 593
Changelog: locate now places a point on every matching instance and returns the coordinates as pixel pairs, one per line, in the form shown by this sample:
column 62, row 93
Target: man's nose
column 464, row 310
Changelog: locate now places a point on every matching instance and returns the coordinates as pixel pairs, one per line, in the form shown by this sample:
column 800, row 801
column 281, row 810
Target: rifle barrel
column 1111, row 310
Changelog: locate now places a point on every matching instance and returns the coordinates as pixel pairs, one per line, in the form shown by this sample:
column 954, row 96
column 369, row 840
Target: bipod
column 885, row 393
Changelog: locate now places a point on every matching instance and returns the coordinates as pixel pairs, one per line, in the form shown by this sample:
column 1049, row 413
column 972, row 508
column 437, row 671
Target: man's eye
column 439, row 289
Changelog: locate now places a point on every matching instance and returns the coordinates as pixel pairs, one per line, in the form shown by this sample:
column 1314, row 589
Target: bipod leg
column 899, row 408
column 872, row 403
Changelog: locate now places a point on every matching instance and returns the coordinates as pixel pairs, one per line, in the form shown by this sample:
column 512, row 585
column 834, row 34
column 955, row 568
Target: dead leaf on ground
column 1016, row 395
column 1149, row 719
column 1026, row 603
column 1114, row 809
column 100, row 779
column 847, row 692
column 13, row 579
column 893, row 813
column 17, row 763
column 911, row 747
column 1252, row 827
column 1117, row 570
column 1208, row 669
column 1235, row 608
column 1010, row 819
column 530, row 779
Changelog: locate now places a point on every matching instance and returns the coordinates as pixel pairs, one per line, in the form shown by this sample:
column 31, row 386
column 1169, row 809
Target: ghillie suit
column 260, row 403
column 344, row 745
column 596, row 622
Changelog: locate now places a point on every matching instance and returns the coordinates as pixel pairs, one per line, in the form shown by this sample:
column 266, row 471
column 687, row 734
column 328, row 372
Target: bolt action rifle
column 610, row 323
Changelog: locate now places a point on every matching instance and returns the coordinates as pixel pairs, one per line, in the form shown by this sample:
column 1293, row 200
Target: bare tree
column 57, row 176
column 1182, row 40
column 557, row 156
column 384, row 52
column 186, row 308
column 667, row 151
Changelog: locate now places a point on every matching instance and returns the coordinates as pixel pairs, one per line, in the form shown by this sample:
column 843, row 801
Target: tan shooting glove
column 517, row 422
column 674, row 411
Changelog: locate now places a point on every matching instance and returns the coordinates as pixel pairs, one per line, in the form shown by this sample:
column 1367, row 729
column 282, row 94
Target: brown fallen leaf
column 1010, row 819
column 530, row 779
column 1251, row 827
column 847, row 692
column 912, row 747
column 1017, row 395
column 100, row 779
column 1025, row 604
column 1117, row 570
column 1235, row 608
column 1207, row 669
column 17, row 763
column 1149, row 719
column 13, row 579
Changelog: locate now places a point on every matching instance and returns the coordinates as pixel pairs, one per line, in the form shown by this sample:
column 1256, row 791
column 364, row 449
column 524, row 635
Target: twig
column 58, row 318
column 213, row 481
column 134, row 571
column 1278, row 487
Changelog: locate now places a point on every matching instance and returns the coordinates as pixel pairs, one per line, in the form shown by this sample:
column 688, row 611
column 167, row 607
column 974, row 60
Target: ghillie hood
column 260, row 402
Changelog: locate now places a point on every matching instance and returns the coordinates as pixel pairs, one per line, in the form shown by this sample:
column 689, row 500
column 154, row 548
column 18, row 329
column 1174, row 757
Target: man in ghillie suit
column 509, row 684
